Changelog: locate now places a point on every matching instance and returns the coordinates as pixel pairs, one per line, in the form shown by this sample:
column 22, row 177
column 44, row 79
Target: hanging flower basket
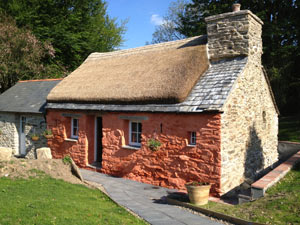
column 48, row 134
column 198, row 192
column 35, row 137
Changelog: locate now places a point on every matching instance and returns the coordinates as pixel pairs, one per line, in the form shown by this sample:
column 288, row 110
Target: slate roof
column 27, row 96
column 209, row 93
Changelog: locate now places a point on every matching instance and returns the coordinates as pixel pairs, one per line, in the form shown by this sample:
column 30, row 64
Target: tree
column 74, row 28
column 168, row 30
column 280, row 36
column 21, row 54
column 280, row 41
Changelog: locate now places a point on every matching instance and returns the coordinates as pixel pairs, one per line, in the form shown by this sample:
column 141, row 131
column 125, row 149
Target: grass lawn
column 289, row 128
column 281, row 205
column 45, row 200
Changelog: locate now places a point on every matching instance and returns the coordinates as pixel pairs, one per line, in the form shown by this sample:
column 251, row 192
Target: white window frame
column 72, row 128
column 136, row 144
column 193, row 138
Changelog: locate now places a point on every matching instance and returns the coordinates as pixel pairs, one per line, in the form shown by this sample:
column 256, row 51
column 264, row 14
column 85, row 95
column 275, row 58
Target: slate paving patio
column 145, row 200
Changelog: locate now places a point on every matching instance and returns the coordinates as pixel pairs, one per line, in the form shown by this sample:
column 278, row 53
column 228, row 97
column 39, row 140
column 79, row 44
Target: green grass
column 45, row 200
column 281, row 205
column 289, row 128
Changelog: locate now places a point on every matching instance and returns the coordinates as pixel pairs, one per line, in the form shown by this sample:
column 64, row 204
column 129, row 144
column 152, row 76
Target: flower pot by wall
column 198, row 194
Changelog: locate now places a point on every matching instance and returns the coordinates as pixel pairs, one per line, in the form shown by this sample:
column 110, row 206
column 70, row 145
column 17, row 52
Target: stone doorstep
column 259, row 188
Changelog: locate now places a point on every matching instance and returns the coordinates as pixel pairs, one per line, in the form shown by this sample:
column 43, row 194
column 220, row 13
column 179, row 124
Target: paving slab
column 144, row 200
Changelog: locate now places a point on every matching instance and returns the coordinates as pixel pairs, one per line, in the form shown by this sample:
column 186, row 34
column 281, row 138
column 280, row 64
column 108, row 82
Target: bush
column 154, row 144
column 67, row 160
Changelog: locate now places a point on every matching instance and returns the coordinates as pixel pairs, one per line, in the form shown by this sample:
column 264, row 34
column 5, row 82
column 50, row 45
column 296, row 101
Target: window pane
column 140, row 127
column 75, row 127
column 139, row 137
column 133, row 137
column 75, row 131
column 74, row 122
column 133, row 126
column 193, row 138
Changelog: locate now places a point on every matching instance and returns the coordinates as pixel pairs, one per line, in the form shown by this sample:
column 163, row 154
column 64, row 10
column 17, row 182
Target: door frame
column 22, row 138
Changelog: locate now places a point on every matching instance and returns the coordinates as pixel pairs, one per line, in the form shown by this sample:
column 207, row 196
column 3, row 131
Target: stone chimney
column 233, row 34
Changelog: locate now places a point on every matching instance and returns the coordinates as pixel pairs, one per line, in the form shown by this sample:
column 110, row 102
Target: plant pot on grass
column 198, row 192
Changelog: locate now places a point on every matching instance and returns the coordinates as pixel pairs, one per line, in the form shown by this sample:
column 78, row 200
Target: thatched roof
column 209, row 93
column 162, row 73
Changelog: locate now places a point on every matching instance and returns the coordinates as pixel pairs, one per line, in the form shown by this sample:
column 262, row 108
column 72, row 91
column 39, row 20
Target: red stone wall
column 171, row 166
column 62, row 144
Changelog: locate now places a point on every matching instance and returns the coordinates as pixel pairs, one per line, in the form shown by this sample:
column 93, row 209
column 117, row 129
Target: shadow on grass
column 289, row 128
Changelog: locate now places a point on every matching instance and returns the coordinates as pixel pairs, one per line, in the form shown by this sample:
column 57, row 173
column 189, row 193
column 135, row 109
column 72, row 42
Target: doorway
column 22, row 143
column 98, row 148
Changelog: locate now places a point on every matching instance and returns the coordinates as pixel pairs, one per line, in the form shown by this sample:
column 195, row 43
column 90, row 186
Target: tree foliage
column 168, row 30
column 21, row 54
column 74, row 28
column 280, row 40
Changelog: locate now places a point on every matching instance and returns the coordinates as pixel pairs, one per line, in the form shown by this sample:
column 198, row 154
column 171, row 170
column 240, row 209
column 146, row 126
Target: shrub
column 67, row 160
column 154, row 144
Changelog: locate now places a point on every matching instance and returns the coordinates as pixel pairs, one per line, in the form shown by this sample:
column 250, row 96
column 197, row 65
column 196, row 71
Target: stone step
column 244, row 198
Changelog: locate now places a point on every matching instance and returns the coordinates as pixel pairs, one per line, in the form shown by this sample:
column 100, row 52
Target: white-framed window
column 135, row 133
column 193, row 138
column 74, row 128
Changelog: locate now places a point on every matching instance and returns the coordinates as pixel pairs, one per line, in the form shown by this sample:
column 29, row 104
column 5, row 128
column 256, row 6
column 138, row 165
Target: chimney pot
column 236, row 7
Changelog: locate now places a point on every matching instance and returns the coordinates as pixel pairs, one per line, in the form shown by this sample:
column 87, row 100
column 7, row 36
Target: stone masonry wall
column 10, row 127
column 9, row 134
column 171, row 166
column 249, row 129
column 234, row 34
column 35, row 123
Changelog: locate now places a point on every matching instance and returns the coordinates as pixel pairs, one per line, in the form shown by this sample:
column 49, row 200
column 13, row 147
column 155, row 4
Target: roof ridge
column 24, row 81
column 98, row 55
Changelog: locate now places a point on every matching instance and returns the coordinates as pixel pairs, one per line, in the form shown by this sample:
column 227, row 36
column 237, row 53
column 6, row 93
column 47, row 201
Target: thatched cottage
column 22, row 113
column 206, row 100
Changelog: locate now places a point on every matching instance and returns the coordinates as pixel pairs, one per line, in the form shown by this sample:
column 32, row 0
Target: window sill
column 131, row 147
column 71, row 139
column 191, row 146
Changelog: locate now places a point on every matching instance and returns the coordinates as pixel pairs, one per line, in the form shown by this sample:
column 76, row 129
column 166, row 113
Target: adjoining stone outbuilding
column 22, row 113
column 206, row 99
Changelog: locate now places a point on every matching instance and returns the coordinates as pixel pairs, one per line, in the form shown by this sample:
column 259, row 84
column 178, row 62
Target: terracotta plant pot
column 34, row 138
column 198, row 194
column 48, row 136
